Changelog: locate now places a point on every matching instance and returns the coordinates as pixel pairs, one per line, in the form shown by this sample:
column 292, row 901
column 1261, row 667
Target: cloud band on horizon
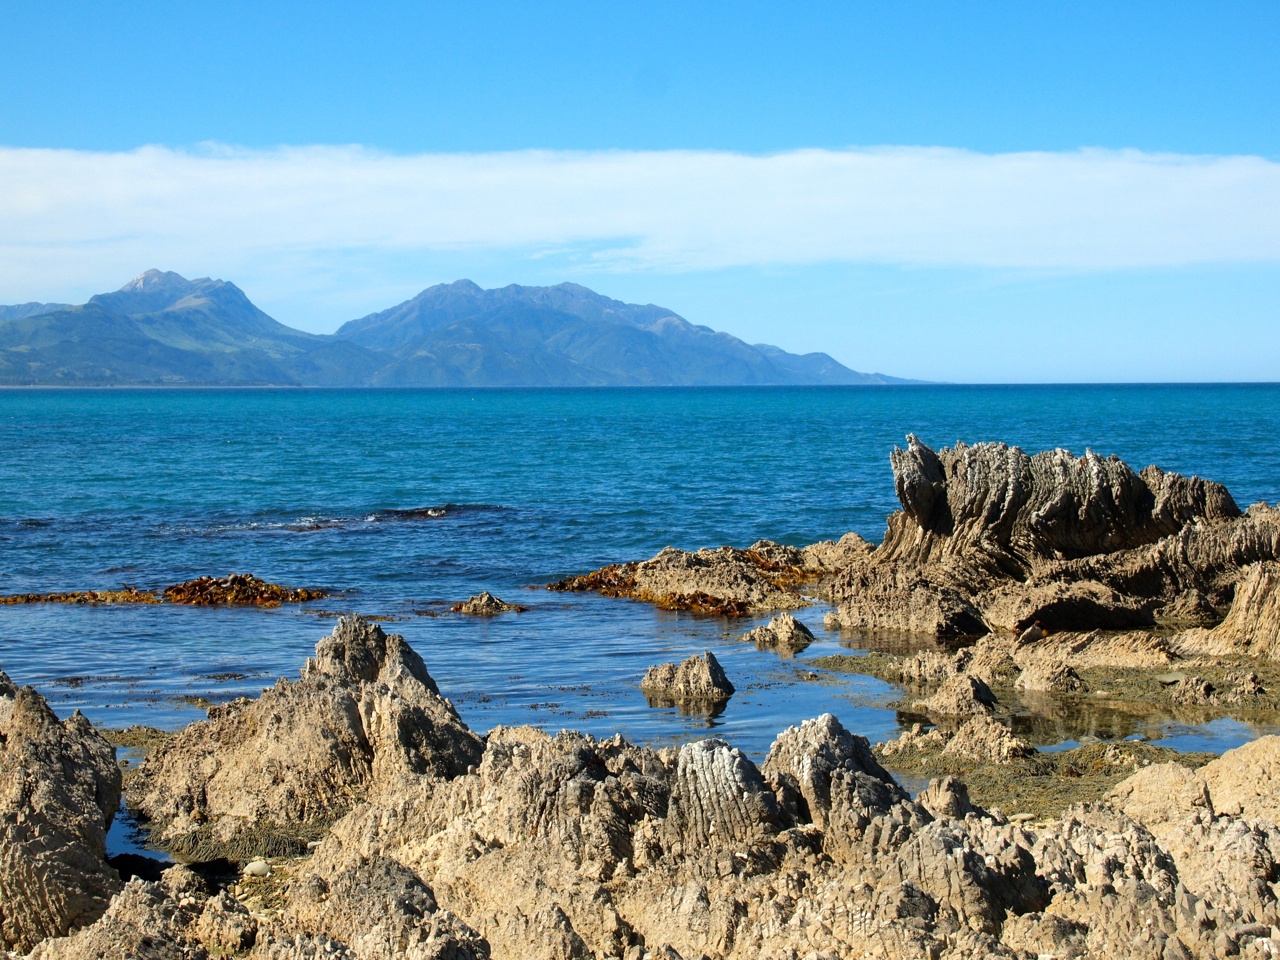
column 1085, row 210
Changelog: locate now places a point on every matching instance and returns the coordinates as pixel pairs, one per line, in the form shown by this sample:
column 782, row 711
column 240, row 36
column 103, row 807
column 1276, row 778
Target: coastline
column 359, row 782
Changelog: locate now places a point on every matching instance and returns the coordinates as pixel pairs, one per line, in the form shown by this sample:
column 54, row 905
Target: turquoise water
column 406, row 501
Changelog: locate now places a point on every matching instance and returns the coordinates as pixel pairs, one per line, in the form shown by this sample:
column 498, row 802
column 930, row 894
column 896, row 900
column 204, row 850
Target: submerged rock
column 485, row 604
column 695, row 680
column 262, row 777
column 237, row 589
column 59, row 789
column 126, row 594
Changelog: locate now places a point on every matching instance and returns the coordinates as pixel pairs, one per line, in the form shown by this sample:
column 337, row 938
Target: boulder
column 696, row 680
column 946, row 798
column 784, row 633
column 991, row 538
column 59, row 790
column 263, row 777
column 994, row 499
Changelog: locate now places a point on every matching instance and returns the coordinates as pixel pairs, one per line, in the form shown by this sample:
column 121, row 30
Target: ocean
column 403, row 502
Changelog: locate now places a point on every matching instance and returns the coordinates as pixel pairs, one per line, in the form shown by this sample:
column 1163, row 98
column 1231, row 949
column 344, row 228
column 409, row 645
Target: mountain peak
column 153, row 281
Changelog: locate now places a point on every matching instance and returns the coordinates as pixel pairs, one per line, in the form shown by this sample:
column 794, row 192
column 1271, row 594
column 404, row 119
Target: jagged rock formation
column 568, row 846
column 784, row 633
column 59, row 790
column 262, row 777
column 695, row 680
column 990, row 538
column 485, row 604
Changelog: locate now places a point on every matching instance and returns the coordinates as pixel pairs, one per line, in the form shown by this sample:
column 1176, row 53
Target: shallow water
column 405, row 501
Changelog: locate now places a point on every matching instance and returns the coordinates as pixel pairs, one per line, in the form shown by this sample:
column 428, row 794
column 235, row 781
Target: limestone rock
column 806, row 763
column 892, row 597
column 835, row 555
column 996, row 499
column 1161, row 794
column 485, row 604
column 784, row 633
column 1245, row 782
column 142, row 923
column 962, row 695
column 697, row 679
column 1191, row 608
column 59, row 790
column 261, row 777
column 718, row 797
column 1252, row 626
column 1049, row 677
column 946, row 798
column 990, row 538
column 984, row 740
column 1057, row 606
column 382, row 910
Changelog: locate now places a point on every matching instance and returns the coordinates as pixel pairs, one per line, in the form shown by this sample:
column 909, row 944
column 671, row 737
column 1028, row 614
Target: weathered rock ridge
column 992, row 539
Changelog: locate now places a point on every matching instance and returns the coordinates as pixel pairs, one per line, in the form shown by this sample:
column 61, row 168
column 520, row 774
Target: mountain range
column 161, row 328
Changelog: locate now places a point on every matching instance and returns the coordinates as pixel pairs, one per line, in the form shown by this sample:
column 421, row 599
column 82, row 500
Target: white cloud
column 62, row 212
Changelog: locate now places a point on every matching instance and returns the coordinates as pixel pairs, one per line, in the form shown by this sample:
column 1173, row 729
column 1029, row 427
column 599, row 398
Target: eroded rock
column 59, row 790
column 962, row 695
column 262, row 777
column 990, row 538
column 784, row 633
column 695, row 680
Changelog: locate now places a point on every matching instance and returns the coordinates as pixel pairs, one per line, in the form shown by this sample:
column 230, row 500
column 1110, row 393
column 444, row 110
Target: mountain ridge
column 161, row 328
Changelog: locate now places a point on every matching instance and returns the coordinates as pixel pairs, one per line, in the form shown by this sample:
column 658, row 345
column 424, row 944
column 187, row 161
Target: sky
column 968, row 192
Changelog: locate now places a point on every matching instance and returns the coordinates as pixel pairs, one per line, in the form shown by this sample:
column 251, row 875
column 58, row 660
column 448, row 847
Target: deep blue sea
column 406, row 501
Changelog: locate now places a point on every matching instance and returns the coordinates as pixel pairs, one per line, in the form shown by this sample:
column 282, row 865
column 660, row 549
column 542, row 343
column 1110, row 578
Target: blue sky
column 962, row 191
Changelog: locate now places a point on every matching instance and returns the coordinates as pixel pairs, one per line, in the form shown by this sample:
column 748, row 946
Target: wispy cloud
column 671, row 211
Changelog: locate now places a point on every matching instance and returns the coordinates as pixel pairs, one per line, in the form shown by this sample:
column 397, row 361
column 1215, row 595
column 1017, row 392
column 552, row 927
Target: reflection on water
column 708, row 710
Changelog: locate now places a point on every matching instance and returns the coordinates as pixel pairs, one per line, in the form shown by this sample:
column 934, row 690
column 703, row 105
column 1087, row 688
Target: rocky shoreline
column 351, row 812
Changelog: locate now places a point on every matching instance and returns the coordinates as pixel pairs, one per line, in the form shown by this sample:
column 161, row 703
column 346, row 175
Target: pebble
column 257, row 868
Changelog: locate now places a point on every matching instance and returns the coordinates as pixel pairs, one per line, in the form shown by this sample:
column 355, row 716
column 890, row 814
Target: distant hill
column 161, row 328
column 459, row 334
